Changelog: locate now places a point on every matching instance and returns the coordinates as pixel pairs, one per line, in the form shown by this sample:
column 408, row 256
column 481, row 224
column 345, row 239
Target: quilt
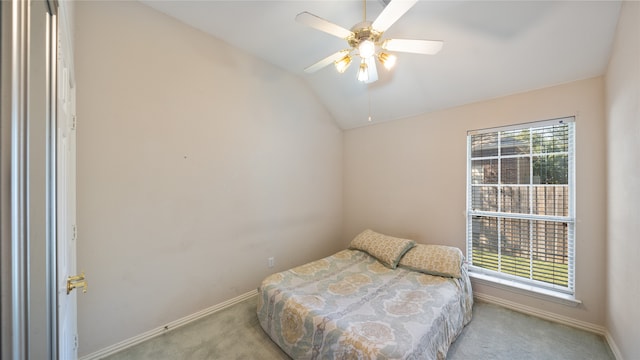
column 350, row 306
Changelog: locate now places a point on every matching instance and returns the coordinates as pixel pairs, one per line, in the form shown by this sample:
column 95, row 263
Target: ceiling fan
column 365, row 41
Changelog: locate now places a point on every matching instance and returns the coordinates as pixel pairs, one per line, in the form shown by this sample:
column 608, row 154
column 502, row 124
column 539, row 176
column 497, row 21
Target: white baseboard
column 110, row 350
column 613, row 346
column 579, row 324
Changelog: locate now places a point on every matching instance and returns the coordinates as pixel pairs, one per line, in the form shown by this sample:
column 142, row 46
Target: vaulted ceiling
column 491, row 48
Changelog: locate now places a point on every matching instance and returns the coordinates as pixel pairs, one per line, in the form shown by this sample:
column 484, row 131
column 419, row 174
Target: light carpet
column 495, row 333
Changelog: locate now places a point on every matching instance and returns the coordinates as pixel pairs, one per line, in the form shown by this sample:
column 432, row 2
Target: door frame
column 28, row 306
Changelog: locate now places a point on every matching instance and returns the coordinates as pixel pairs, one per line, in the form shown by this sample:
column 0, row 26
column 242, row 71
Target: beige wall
column 623, row 180
column 196, row 162
column 408, row 178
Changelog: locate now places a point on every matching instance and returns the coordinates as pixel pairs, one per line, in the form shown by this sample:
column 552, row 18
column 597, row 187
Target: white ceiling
column 491, row 49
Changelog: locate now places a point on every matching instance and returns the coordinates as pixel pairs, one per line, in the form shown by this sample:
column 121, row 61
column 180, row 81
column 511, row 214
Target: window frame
column 515, row 280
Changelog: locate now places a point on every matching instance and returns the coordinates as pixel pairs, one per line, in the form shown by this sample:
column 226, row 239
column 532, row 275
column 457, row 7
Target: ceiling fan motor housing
column 361, row 32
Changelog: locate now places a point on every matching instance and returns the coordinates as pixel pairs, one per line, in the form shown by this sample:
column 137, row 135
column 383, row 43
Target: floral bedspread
column 350, row 306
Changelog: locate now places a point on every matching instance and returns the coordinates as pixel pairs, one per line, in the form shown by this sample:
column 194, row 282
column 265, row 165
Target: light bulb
column 387, row 60
column 366, row 49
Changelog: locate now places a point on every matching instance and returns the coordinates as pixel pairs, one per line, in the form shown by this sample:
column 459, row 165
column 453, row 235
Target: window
column 520, row 203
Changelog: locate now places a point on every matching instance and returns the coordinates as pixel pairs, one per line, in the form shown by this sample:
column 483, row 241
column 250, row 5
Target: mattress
column 350, row 306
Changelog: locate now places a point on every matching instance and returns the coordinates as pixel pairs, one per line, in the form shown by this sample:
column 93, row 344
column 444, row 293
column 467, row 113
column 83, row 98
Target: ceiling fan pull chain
column 369, row 96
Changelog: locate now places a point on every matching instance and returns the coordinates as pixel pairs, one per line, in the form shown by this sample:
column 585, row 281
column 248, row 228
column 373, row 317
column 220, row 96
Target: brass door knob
column 77, row 281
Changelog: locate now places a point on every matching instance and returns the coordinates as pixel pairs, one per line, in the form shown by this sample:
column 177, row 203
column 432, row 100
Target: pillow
column 434, row 260
column 387, row 249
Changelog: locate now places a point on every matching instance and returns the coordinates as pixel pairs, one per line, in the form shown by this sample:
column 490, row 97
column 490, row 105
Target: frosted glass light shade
column 387, row 60
column 366, row 49
column 363, row 72
column 343, row 64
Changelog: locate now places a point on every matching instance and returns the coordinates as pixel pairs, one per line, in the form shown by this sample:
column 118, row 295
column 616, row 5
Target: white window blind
column 520, row 203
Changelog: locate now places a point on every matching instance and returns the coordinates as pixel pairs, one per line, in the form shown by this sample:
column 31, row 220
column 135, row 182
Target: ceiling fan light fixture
column 343, row 64
column 366, row 49
column 387, row 60
column 365, row 40
column 363, row 72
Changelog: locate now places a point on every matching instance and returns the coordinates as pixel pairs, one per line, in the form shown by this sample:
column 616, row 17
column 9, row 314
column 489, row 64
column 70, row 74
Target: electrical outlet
column 271, row 261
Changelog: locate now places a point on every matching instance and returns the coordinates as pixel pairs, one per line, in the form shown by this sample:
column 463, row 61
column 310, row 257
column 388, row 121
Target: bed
column 382, row 298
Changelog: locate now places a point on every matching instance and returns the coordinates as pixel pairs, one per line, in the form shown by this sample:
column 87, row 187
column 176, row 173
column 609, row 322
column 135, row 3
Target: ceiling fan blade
column 391, row 13
column 321, row 24
column 427, row 47
column 372, row 69
column 326, row 61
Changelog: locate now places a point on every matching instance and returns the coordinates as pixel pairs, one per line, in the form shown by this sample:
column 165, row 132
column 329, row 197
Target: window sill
column 528, row 290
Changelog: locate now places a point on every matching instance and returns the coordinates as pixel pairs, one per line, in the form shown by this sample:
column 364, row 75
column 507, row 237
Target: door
column 33, row 145
column 66, row 197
